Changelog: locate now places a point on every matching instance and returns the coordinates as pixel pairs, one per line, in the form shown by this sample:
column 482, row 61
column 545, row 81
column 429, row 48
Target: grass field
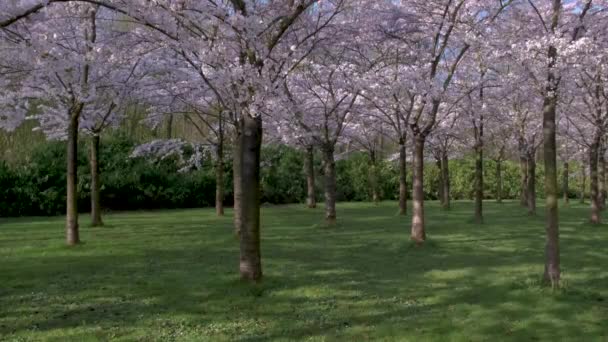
column 172, row 276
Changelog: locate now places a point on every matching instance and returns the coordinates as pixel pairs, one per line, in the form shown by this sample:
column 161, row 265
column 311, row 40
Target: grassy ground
column 171, row 275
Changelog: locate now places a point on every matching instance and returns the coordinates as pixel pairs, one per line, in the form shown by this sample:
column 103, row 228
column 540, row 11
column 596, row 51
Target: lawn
column 172, row 275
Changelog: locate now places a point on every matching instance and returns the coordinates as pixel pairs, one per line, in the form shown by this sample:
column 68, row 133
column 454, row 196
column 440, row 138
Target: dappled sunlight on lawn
column 172, row 275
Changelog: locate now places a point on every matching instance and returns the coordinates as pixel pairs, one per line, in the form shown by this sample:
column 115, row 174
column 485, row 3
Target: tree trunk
column 440, row 188
column 72, row 233
column 583, row 183
column 373, row 177
column 552, row 258
column 170, row 126
column 479, row 184
column 499, row 181
column 402, row 178
column 311, row 195
column 96, row 220
column 531, row 186
column 593, row 175
column 418, row 233
column 236, row 179
column 523, row 177
column 565, row 183
column 602, row 175
column 445, row 175
column 330, row 185
column 250, row 146
column 219, row 179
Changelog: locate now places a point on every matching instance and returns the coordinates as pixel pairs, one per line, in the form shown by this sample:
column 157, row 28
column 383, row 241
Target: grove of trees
column 404, row 83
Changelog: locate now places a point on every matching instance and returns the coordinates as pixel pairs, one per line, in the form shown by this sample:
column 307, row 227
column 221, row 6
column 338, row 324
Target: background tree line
column 35, row 186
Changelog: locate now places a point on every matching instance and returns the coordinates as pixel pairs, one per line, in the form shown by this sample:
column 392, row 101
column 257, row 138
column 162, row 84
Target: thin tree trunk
column 445, row 175
column 373, row 177
column 593, row 174
column 251, row 142
column 311, row 195
column 523, row 179
column 72, row 233
column 565, row 183
column 402, row 178
column 479, row 184
column 583, row 182
column 531, row 186
column 236, row 179
column 601, row 175
column 499, row 181
column 330, row 185
column 418, row 233
column 440, row 188
column 219, row 179
column 170, row 126
column 96, row 220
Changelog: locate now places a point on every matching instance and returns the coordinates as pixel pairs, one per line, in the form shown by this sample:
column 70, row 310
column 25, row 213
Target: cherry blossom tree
column 78, row 74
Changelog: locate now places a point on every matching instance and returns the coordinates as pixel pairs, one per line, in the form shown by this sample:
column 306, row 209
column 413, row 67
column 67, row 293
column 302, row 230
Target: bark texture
column 373, row 178
column 330, row 185
column 440, row 186
column 552, row 258
column 601, row 164
column 96, row 220
column 523, row 181
column 72, row 229
column 236, row 179
column 479, row 183
column 250, row 144
column 594, row 178
column 583, row 183
column 418, row 233
column 445, row 176
column 309, row 166
column 402, row 178
column 219, row 179
column 531, row 186
column 566, row 183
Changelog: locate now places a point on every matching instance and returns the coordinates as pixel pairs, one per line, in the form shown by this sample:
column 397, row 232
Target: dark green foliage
column 282, row 175
column 36, row 185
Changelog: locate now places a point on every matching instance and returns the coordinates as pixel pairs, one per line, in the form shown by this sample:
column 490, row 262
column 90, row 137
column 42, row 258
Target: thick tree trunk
column 594, row 190
column 445, row 175
column 72, row 233
column 219, row 179
column 418, row 233
column 236, row 180
column 330, row 185
column 250, row 146
column 402, row 178
column 499, row 181
column 531, row 186
column 523, row 181
column 565, row 183
column 311, row 195
column 479, row 184
column 552, row 259
column 96, row 220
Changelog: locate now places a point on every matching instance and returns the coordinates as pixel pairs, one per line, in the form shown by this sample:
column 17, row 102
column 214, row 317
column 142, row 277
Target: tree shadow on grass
column 356, row 283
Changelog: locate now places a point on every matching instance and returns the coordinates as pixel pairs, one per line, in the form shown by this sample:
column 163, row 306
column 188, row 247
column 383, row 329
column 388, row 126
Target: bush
column 38, row 186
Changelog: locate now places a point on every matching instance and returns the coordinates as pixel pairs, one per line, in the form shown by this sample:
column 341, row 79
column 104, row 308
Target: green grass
column 172, row 275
